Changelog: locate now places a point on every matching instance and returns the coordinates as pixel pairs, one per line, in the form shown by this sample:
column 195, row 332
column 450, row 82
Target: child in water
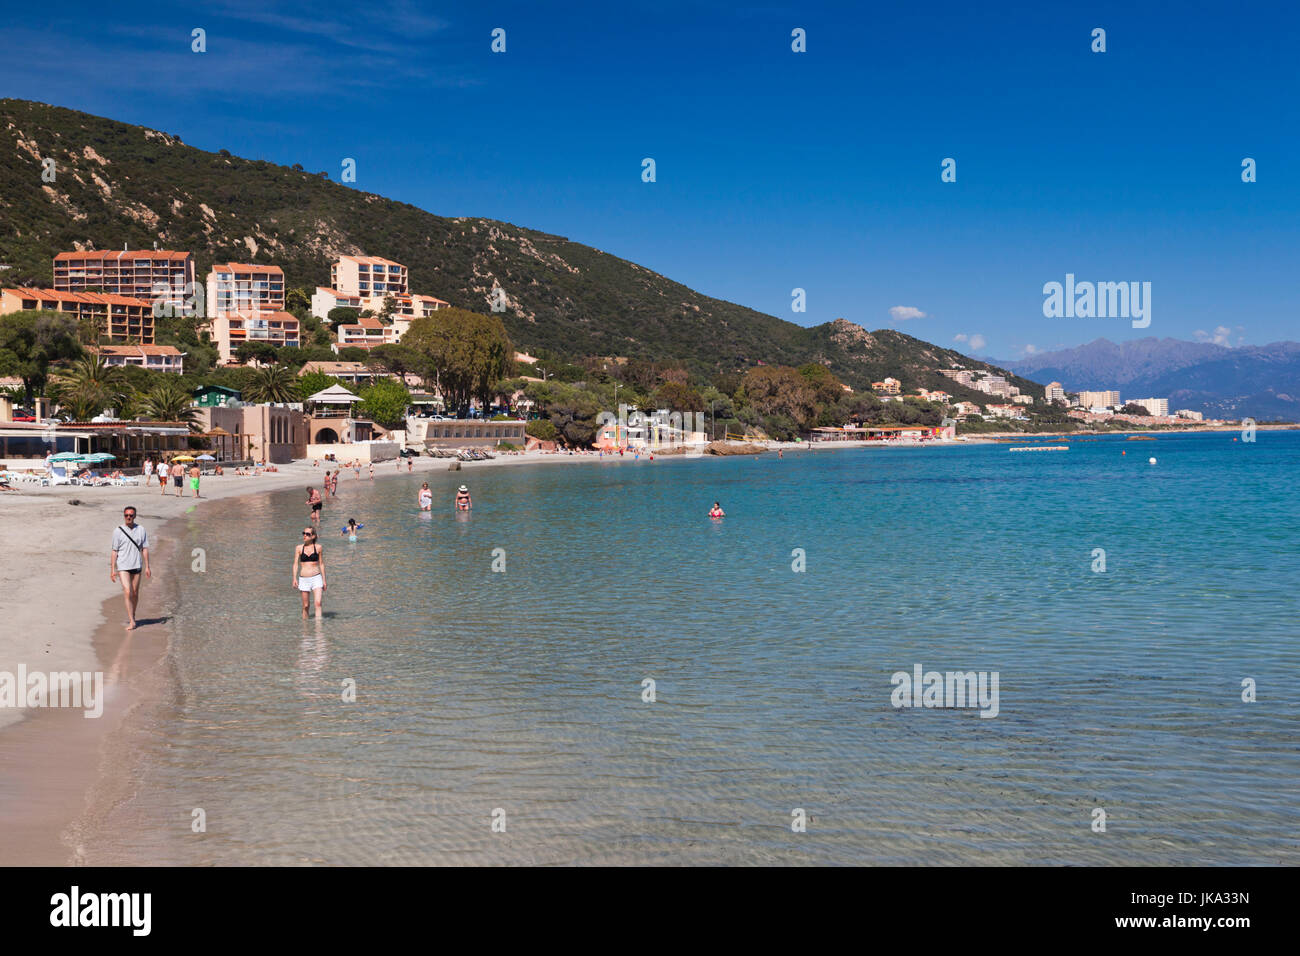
column 351, row 529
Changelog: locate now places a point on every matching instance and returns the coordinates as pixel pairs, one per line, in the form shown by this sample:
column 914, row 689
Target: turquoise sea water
column 522, row 691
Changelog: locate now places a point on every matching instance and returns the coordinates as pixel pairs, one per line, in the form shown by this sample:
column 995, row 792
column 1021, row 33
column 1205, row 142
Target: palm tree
column 89, row 386
column 167, row 401
column 272, row 383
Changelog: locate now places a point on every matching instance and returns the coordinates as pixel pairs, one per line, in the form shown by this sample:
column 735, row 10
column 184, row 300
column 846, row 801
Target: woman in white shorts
column 309, row 569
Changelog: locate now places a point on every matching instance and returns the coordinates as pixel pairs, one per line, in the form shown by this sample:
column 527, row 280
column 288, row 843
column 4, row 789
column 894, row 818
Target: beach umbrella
column 183, row 458
column 99, row 456
column 206, row 458
column 66, row 456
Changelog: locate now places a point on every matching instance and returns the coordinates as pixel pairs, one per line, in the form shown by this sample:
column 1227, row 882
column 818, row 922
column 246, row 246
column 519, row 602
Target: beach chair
column 59, row 476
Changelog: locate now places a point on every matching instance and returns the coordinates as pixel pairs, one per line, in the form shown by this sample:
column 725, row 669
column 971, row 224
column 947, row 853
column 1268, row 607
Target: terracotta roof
column 371, row 261
column 93, row 298
column 138, row 350
column 337, row 294
column 245, row 267
column 123, row 254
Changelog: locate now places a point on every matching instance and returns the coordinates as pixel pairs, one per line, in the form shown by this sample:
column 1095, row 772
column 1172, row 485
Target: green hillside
column 119, row 184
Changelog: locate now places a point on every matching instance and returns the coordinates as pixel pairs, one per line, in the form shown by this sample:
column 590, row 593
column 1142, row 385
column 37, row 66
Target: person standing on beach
column 356, row 469
column 371, row 476
column 129, row 558
column 147, row 470
column 409, row 466
column 178, row 479
column 314, row 499
column 194, row 478
column 309, row 570
column 163, row 471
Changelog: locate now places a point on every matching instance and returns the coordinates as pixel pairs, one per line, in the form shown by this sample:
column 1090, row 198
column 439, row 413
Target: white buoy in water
column 1151, row 461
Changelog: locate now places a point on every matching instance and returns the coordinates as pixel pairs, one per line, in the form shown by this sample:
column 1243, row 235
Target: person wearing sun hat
column 462, row 499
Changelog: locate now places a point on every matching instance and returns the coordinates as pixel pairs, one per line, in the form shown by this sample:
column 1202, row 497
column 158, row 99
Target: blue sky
column 775, row 170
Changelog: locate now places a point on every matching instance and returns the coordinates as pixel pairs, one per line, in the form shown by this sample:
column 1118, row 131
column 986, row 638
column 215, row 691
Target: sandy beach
column 63, row 613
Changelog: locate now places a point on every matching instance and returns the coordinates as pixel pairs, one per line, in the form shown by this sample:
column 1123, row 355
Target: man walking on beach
column 194, row 478
column 129, row 558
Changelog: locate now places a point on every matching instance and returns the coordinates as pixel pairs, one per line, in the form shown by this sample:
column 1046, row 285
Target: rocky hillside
column 116, row 184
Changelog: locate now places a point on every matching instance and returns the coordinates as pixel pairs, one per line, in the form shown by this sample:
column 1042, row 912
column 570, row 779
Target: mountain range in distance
column 1257, row 381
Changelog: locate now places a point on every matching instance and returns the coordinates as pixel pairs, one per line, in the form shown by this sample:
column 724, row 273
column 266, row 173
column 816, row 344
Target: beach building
column 332, row 419
column 230, row 330
column 368, row 276
column 1055, row 392
column 118, row 318
column 157, row 358
column 429, row 433
column 132, row 274
column 1019, row 399
column 272, row 433
column 24, row 445
column 879, row 433
column 1154, row 406
column 215, row 396
column 1190, row 415
column 962, row 409
column 244, row 287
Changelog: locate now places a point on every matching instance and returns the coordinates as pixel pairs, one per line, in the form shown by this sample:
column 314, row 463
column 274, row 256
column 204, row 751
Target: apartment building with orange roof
column 137, row 274
column 232, row 329
column 156, row 358
column 368, row 276
column 244, row 287
column 119, row 318
column 367, row 332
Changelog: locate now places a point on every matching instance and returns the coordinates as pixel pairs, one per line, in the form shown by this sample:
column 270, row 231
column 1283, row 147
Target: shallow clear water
column 522, row 690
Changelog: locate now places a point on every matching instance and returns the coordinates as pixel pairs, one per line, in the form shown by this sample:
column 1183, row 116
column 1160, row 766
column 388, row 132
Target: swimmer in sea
column 351, row 528
column 716, row 511
column 426, row 497
column 314, row 499
column 462, row 499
